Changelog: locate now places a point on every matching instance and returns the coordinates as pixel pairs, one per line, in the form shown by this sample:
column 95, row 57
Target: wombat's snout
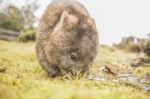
column 68, row 61
column 72, row 62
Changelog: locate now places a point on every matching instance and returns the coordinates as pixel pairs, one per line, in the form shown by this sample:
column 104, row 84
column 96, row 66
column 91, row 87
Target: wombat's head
column 76, row 41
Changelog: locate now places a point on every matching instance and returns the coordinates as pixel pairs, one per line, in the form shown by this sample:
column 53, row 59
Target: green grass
column 23, row 78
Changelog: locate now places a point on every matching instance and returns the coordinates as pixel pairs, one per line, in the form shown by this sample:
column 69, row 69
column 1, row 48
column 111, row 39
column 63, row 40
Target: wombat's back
column 54, row 11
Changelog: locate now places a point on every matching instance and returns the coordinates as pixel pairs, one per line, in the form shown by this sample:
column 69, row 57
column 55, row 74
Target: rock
column 137, row 62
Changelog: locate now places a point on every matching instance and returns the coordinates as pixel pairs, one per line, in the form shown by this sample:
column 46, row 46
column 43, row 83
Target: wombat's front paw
column 53, row 73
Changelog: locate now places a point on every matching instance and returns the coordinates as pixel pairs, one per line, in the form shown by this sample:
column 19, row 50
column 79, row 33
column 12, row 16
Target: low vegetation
column 21, row 76
column 27, row 35
column 18, row 19
column 135, row 44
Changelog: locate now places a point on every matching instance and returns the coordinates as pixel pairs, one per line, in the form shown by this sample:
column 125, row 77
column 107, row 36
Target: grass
column 21, row 77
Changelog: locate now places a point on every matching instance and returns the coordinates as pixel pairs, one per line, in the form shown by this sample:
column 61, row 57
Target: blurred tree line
column 19, row 19
column 134, row 44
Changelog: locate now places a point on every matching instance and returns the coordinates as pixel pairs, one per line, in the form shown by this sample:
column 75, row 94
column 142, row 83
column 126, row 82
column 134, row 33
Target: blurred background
column 115, row 19
column 124, row 24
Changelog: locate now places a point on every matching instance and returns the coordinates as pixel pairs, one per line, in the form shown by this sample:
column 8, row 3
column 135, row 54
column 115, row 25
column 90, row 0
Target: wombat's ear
column 91, row 22
column 68, row 21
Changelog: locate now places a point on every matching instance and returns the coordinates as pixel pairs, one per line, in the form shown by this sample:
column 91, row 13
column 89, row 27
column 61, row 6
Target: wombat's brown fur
column 67, row 38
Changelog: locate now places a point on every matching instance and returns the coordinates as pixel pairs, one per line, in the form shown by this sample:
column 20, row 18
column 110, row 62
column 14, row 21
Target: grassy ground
column 21, row 77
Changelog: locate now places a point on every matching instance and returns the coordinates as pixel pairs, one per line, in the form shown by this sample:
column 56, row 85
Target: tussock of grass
column 23, row 78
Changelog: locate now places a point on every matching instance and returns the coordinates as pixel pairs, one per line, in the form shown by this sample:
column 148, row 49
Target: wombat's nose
column 73, row 56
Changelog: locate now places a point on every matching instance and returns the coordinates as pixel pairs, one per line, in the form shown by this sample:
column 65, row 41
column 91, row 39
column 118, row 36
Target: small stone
column 147, row 88
column 115, row 81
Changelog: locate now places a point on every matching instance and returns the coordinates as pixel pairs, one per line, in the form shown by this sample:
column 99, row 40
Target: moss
column 24, row 79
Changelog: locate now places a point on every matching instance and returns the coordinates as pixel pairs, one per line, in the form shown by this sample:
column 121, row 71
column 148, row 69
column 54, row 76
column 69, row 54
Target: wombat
column 67, row 38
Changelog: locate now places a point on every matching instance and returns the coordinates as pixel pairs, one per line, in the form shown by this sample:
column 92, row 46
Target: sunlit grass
column 23, row 78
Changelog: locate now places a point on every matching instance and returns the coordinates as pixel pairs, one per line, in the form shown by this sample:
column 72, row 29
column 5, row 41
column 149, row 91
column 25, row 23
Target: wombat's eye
column 73, row 56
